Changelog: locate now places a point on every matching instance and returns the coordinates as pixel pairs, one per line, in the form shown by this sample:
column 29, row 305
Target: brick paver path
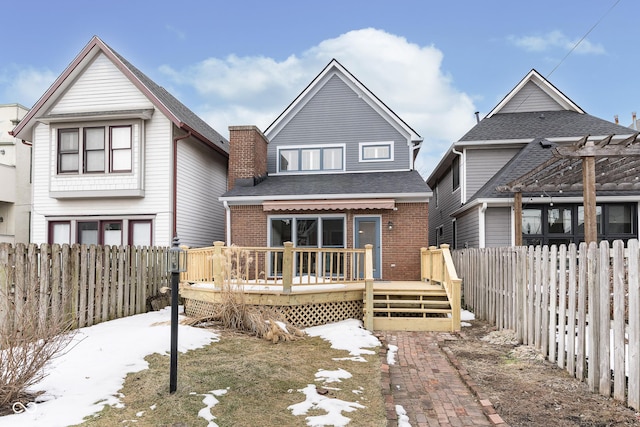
column 429, row 388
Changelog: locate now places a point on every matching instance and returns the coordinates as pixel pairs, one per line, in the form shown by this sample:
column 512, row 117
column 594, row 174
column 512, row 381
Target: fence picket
column 634, row 325
column 593, row 318
column 552, row 299
column 562, row 304
column 604, row 348
column 619, row 325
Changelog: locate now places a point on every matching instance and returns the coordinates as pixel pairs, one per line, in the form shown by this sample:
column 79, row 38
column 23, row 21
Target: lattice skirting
column 301, row 316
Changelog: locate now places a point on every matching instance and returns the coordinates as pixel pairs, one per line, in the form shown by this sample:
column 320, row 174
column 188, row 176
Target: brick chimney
column 247, row 156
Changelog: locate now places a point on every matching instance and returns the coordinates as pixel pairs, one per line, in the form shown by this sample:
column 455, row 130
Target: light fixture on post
column 176, row 264
column 390, row 225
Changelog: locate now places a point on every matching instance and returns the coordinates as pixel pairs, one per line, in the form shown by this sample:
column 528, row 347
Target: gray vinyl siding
column 338, row 115
column 531, row 98
column 440, row 214
column 467, row 225
column 202, row 178
column 482, row 165
column 497, row 227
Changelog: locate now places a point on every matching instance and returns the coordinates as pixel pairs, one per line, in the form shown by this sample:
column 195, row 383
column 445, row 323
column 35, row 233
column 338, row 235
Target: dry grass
column 261, row 379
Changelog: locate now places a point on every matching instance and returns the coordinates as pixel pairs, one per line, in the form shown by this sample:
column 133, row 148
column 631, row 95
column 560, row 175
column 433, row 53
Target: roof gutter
column 175, row 181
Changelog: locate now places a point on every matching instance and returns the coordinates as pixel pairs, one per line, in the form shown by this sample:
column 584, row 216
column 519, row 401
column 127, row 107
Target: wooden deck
column 397, row 305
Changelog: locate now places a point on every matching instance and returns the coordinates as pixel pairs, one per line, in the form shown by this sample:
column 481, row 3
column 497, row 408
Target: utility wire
column 584, row 37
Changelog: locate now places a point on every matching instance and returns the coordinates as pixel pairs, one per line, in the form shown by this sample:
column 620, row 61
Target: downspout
column 227, row 211
column 481, row 226
column 175, row 181
column 412, row 159
column 463, row 183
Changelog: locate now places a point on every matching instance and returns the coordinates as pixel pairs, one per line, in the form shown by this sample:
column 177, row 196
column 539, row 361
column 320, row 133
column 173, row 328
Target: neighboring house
column 15, row 178
column 470, row 207
column 119, row 160
column 335, row 169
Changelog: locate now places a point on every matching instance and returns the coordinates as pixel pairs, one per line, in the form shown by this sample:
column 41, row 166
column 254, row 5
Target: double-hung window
column 95, row 149
column 310, row 159
column 68, row 150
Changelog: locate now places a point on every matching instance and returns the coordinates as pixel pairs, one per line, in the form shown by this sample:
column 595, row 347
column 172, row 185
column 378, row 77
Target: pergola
column 608, row 164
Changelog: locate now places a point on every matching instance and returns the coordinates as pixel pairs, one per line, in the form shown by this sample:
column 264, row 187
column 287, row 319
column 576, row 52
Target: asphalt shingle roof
column 370, row 184
column 177, row 108
column 547, row 124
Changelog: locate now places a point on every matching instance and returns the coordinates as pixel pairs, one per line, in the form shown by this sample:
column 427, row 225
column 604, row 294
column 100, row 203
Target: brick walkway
column 429, row 384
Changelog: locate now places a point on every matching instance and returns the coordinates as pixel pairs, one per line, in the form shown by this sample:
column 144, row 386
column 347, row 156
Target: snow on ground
column 96, row 364
column 92, row 371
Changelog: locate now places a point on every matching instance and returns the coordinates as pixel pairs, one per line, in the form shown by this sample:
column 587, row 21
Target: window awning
column 308, row 205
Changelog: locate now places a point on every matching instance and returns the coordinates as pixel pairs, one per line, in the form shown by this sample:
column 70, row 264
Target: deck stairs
column 415, row 306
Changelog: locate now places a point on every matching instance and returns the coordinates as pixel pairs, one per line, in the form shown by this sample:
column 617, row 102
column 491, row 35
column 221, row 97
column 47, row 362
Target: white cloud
column 25, row 85
column 407, row 77
column 556, row 39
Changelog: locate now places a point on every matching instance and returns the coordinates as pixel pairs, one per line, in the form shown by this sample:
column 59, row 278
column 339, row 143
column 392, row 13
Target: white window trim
column 363, row 145
column 136, row 137
column 311, row 147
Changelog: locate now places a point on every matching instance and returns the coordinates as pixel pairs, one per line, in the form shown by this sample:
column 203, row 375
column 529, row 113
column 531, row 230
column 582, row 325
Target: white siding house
column 116, row 156
column 15, row 169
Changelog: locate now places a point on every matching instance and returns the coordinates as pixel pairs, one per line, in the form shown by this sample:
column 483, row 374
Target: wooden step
column 412, row 310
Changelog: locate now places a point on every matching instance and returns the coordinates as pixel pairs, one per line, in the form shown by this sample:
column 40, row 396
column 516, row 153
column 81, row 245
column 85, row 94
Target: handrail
column 274, row 266
column 436, row 266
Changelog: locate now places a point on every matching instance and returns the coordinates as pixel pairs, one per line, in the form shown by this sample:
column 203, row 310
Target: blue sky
column 433, row 63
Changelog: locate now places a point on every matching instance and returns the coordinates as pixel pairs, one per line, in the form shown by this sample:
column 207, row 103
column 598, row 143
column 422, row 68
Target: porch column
column 517, row 220
column 589, row 195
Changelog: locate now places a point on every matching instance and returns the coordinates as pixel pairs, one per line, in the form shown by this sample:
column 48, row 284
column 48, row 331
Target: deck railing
column 283, row 266
column 437, row 266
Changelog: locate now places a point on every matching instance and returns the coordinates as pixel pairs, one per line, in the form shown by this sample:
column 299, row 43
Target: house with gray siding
column 472, row 208
column 339, row 172
column 119, row 160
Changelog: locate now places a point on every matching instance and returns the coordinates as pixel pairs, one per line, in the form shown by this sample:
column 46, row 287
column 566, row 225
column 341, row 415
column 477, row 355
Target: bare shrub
column 234, row 313
column 32, row 334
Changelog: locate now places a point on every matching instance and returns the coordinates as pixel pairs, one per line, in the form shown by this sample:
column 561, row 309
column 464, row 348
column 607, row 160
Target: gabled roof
column 541, row 84
column 334, row 186
column 335, row 68
column 173, row 109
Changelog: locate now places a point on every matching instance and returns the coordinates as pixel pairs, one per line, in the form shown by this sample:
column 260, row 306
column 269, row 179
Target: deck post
column 218, row 275
column 432, row 254
column 287, row 267
column 368, row 286
column 423, row 264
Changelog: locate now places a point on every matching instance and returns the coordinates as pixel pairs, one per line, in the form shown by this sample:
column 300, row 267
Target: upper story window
column 95, row 149
column 455, row 173
column 310, row 159
column 376, row 151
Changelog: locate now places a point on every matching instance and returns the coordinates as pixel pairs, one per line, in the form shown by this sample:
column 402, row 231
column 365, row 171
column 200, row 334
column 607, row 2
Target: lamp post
column 176, row 264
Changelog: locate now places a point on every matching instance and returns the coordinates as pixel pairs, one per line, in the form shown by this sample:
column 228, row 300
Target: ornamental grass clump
column 234, row 313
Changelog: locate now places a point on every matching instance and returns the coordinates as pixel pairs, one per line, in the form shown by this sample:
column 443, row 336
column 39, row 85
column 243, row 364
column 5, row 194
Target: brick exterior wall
column 400, row 246
column 247, row 154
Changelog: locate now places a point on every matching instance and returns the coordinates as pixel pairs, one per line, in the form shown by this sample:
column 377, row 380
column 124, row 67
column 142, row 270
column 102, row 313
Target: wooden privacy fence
column 580, row 306
column 84, row 284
